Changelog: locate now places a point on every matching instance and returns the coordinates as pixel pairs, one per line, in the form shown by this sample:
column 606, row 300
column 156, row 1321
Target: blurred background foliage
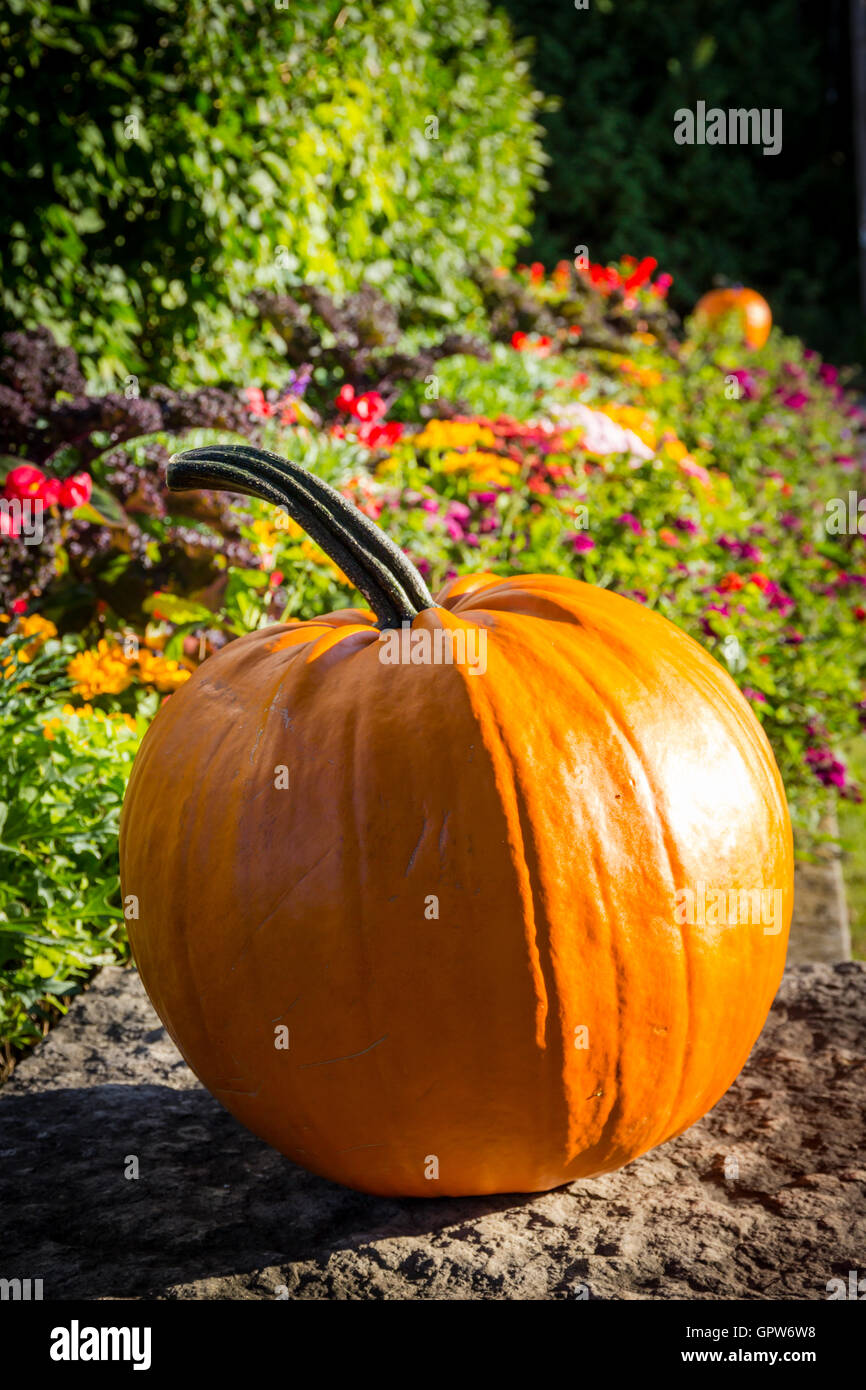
column 785, row 224
column 163, row 160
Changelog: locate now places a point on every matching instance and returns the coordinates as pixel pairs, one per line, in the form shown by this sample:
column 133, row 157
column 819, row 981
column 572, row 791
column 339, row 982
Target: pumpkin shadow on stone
column 210, row 1200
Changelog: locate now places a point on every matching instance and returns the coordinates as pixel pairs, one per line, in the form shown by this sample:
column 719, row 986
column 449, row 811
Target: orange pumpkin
column 424, row 927
column 750, row 307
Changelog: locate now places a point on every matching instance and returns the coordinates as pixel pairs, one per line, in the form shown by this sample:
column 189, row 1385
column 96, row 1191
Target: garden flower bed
column 577, row 429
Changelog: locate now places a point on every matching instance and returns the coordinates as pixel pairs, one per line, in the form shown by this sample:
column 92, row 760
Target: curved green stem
column 376, row 566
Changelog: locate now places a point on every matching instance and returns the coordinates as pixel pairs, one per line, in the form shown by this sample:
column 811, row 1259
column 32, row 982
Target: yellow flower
column 634, row 419
column 644, row 376
column 452, row 434
column 311, row 552
column 673, row 447
column 37, row 627
column 479, row 466
column 49, row 728
column 268, row 534
column 160, row 671
column 103, row 670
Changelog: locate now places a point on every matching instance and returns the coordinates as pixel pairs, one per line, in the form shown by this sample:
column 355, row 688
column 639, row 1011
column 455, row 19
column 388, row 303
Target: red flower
column 345, row 397
column 761, row 581
column 518, row 340
column 256, row 403
column 8, row 525
column 49, row 492
column 377, row 436
column 76, row 490
column 536, row 272
column 643, row 272
column 276, row 579
column 19, row 606
column 370, row 406
column 24, row 481
column 860, row 614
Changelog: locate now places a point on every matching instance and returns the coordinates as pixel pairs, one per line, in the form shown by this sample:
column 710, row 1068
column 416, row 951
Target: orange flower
column 731, row 582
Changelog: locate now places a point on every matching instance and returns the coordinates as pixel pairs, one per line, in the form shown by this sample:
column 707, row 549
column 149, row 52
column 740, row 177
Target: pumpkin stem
column 376, row 566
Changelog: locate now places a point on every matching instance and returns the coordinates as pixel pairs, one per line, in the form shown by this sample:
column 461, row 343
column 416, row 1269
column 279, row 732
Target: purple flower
column 685, row 523
column 747, row 383
column 828, row 373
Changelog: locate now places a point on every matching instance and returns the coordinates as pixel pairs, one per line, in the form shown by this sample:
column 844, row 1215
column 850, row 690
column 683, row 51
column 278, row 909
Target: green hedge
column 164, row 159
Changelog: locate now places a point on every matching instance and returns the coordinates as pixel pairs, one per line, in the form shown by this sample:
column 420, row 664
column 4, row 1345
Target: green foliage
column 60, row 799
column 785, row 224
column 164, row 160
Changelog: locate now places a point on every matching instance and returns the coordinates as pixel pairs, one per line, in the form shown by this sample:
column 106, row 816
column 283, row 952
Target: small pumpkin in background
column 751, row 309
column 418, row 924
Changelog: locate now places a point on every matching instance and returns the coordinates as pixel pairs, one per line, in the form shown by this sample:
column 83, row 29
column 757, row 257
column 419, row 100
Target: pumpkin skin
column 752, row 309
column 553, row 806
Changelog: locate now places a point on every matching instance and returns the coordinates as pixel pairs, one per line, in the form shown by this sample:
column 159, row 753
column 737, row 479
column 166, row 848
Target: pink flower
column 582, row 543
column 747, row 383
column 630, row 520
column 796, row 400
column 459, row 510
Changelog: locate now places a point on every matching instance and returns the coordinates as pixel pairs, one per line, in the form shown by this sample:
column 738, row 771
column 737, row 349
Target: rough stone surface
column 763, row 1199
column 820, row 929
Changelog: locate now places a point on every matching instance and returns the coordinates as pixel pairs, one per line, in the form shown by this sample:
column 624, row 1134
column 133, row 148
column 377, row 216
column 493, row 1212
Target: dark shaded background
column 785, row 224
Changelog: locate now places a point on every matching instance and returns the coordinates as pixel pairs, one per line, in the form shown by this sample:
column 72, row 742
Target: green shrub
column 164, row 160
column 62, row 778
